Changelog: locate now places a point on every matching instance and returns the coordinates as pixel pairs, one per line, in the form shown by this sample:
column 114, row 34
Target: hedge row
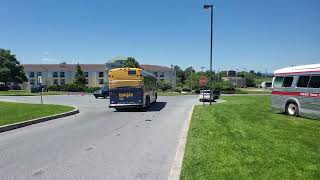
column 72, row 88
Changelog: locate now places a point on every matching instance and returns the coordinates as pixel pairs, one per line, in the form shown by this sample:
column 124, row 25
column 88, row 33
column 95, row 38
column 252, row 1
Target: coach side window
column 287, row 82
column 314, row 82
column 277, row 83
column 303, row 81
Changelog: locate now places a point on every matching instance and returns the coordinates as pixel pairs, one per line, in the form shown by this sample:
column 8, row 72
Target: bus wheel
column 292, row 109
column 148, row 102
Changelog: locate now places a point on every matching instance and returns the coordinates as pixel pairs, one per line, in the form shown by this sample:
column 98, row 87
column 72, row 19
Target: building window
column 31, row 74
column 62, row 81
column 86, row 74
column 100, row 74
column 287, row 82
column 55, row 81
column 61, row 74
column 31, row 81
column 303, row 81
column 161, row 74
column 39, row 74
column 101, row 81
column 55, row 74
column 87, row 81
column 278, row 82
column 314, row 82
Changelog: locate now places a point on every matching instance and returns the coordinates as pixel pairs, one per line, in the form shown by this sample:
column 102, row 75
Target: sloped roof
column 149, row 67
column 64, row 67
column 84, row 67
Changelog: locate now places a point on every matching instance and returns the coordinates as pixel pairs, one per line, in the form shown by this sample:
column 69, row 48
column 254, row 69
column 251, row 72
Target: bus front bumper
column 125, row 106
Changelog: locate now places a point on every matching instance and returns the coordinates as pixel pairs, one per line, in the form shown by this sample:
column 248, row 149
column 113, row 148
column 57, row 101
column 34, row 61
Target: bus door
column 314, row 89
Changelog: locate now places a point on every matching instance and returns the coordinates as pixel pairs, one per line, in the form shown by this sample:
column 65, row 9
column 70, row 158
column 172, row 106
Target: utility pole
column 210, row 7
column 191, row 78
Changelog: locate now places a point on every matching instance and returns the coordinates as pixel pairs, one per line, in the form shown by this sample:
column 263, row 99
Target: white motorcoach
column 296, row 91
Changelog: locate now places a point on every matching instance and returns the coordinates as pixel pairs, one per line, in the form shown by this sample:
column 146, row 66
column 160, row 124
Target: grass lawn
column 26, row 93
column 17, row 112
column 252, row 91
column 243, row 139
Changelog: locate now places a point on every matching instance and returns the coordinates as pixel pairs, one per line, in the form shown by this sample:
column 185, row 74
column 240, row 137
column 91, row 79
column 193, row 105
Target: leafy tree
column 250, row 82
column 259, row 74
column 80, row 77
column 180, row 74
column 188, row 72
column 131, row 63
column 10, row 68
column 252, row 72
column 164, row 85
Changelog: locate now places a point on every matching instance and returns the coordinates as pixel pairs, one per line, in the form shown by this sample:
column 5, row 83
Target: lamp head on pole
column 206, row 6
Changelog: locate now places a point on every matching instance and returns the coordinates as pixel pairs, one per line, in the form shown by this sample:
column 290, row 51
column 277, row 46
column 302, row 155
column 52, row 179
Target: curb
column 177, row 162
column 37, row 120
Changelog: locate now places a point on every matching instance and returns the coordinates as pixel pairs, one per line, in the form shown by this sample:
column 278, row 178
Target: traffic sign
column 203, row 81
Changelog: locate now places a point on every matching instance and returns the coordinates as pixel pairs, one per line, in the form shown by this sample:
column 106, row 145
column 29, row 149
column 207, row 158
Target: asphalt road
column 97, row 143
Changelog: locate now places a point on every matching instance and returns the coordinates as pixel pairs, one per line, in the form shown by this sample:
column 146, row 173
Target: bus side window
column 277, row 83
column 287, row 82
column 303, row 81
column 314, row 82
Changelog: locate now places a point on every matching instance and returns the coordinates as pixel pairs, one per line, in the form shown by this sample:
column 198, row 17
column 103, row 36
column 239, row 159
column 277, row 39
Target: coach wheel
column 292, row 109
column 148, row 102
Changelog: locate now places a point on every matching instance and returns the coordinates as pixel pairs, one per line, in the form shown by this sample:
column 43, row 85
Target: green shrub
column 91, row 89
column 75, row 88
column 177, row 90
column 197, row 91
column 72, row 88
column 164, row 86
column 186, row 89
column 54, row 87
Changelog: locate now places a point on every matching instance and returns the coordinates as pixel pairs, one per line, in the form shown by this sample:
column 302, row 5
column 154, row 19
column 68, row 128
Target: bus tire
column 147, row 102
column 292, row 109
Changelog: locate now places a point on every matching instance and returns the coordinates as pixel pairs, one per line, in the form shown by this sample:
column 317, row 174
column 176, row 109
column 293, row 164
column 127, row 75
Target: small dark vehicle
column 38, row 88
column 3, row 87
column 103, row 92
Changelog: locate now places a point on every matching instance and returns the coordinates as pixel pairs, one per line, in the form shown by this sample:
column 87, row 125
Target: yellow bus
column 131, row 88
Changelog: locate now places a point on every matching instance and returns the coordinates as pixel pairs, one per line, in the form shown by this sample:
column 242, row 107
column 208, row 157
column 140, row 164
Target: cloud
column 46, row 59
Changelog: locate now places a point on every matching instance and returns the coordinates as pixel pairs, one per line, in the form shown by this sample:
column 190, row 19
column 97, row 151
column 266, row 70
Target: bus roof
column 311, row 68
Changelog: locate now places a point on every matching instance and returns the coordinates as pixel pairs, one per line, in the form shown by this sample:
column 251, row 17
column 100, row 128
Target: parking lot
column 97, row 143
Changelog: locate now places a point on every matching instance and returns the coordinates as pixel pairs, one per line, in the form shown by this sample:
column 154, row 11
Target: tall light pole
column 207, row 6
column 237, row 77
column 218, row 73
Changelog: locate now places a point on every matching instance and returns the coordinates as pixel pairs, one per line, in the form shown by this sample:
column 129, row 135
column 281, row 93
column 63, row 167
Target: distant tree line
column 187, row 79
